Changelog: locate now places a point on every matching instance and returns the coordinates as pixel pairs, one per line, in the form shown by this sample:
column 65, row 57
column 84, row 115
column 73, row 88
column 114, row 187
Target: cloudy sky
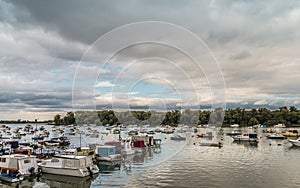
column 58, row 56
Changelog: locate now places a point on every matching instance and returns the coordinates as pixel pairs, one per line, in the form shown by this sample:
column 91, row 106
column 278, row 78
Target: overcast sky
column 42, row 45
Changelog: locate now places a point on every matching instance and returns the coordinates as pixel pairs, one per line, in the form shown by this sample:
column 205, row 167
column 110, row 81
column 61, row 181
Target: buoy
column 270, row 144
column 279, row 144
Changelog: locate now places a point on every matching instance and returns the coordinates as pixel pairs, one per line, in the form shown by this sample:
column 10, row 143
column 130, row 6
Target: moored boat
column 234, row 133
column 295, row 142
column 70, row 165
column 290, row 133
column 246, row 138
column 14, row 167
column 178, row 137
column 107, row 153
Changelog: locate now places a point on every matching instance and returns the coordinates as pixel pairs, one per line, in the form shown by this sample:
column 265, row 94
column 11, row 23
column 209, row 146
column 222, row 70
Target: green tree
column 57, row 120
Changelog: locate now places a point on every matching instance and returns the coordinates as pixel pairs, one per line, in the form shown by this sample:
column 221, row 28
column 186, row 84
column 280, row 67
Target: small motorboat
column 295, row 142
column 234, row 133
column 246, row 138
column 207, row 135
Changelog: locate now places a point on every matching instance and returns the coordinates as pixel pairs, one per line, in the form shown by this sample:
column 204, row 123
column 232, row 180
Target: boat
column 295, row 142
column 70, row 165
column 127, row 150
column 276, row 136
column 290, row 133
column 280, row 125
column 234, row 133
column 107, row 153
column 37, row 137
column 167, row 131
column 246, row 138
column 207, row 135
column 178, row 137
column 133, row 132
column 269, row 130
column 58, row 141
column 235, row 126
column 14, row 167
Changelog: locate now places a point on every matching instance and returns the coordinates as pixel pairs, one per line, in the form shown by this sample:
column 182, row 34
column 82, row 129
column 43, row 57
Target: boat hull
column 81, row 172
column 245, row 140
column 276, row 137
column 11, row 179
column 295, row 142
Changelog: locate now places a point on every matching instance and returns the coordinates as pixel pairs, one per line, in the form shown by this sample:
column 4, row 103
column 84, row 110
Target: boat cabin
column 26, row 165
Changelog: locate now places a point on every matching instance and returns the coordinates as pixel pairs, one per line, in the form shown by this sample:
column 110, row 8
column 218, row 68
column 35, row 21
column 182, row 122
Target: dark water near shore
column 272, row 163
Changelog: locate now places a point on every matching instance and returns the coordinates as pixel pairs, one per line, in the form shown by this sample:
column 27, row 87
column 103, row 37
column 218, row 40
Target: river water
column 270, row 163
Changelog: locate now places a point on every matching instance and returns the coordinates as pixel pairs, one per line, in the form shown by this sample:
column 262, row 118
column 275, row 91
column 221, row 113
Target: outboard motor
column 90, row 171
column 31, row 171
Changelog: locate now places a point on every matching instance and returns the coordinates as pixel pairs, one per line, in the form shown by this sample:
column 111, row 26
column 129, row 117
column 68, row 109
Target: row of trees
column 288, row 116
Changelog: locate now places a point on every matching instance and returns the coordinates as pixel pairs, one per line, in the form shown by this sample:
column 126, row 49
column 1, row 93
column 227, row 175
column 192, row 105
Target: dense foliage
column 288, row 116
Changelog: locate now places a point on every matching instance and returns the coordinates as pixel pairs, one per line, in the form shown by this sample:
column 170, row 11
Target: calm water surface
column 272, row 163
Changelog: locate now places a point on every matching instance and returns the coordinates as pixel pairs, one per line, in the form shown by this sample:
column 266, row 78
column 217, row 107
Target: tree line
column 289, row 116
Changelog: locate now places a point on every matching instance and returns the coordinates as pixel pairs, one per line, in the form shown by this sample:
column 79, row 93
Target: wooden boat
column 69, row 165
column 14, row 167
column 290, row 133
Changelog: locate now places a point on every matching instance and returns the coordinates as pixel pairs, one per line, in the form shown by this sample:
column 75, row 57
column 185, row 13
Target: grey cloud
column 41, row 43
column 241, row 55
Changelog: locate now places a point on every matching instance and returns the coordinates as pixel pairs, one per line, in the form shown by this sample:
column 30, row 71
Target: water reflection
column 66, row 181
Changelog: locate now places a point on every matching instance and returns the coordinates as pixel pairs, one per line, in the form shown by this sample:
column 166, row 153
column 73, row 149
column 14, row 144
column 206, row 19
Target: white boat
column 280, row 125
column 69, row 165
column 235, row 125
column 127, row 150
column 14, row 167
column 246, row 138
column 295, row 142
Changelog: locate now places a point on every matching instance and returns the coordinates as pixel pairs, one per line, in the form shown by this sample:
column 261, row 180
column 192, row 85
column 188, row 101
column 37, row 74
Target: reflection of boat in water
column 108, row 166
column 219, row 144
column 178, row 137
column 54, row 180
column 275, row 136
